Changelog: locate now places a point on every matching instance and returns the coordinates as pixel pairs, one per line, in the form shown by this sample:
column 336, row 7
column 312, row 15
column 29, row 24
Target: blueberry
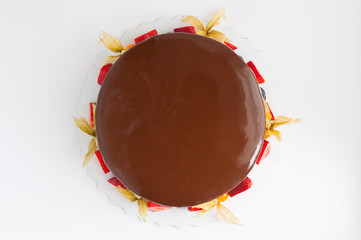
column 263, row 93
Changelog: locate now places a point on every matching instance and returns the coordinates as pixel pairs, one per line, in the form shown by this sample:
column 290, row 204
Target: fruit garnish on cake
column 172, row 134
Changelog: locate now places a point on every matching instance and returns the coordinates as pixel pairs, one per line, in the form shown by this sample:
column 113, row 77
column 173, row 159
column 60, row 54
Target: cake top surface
column 180, row 119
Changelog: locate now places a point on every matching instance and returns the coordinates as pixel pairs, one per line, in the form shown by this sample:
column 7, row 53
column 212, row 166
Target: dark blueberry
column 263, row 93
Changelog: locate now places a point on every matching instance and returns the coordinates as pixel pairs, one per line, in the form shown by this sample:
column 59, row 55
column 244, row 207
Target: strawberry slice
column 255, row 71
column 230, row 45
column 187, row 29
column 154, row 207
column 270, row 111
column 194, row 209
column 264, row 151
column 243, row 186
column 145, row 36
column 91, row 113
column 115, row 182
column 103, row 73
column 101, row 161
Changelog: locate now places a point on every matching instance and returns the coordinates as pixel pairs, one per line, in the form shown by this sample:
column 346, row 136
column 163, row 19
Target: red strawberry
column 145, row 36
column 115, row 182
column 101, row 161
column 255, row 71
column 91, row 113
column 154, row 207
column 264, row 151
column 270, row 111
column 230, row 45
column 103, row 73
column 243, row 186
column 194, row 209
column 187, row 29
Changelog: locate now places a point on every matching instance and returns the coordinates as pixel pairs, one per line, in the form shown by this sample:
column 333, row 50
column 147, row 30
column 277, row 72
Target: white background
column 313, row 189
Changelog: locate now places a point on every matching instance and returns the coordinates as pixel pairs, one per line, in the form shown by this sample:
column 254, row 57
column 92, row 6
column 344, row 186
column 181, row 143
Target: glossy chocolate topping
column 180, row 119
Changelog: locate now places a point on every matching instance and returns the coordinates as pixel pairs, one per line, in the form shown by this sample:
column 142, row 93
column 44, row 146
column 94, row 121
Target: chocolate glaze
column 180, row 119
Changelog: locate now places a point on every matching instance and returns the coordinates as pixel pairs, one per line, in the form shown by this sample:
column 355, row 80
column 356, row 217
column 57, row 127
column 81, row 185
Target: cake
column 171, row 117
column 180, row 119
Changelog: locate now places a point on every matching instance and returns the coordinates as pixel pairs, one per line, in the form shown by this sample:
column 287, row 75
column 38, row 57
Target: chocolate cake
column 180, row 119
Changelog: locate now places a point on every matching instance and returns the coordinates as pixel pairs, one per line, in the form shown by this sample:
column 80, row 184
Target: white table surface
column 313, row 191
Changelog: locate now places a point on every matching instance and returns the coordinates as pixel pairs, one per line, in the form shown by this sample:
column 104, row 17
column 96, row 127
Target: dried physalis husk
column 200, row 213
column 93, row 146
column 205, row 207
column 143, row 208
column 202, row 33
column 111, row 42
column 137, row 196
column 216, row 35
column 271, row 125
column 208, row 205
column 127, row 194
column 207, row 31
column 275, row 133
column 194, row 22
column 268, row 124
column 84, row 126
column 282, row 120
column 142, row 203
column 215, row 20
column 225, row 215
column 111, row 59
column 267, row 111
